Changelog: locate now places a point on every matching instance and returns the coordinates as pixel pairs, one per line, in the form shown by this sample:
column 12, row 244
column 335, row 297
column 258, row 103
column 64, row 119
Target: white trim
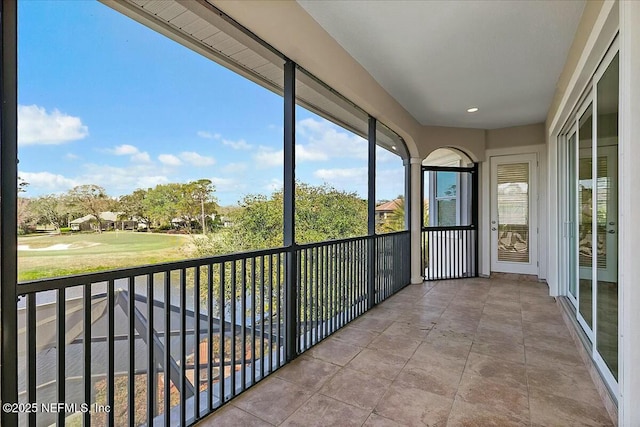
column 484, row 220
column 629, row 173
column 530, row 267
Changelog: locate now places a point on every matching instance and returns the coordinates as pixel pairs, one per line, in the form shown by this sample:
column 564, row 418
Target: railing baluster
column 253, row 320
column 31, row 355
column 221, row 374
column 279, row 306
column 111, row 354
column 131, row 395
column 196, row 340
column 61, row 332
column 151, row 377
column 270, row 313
column 262, row 289
column 88, row 386
column 304, row 297
column 167, row 348
column 318, row 300
column 183, row 345
column 210, row 353
column 243, row 305
column 233, row 328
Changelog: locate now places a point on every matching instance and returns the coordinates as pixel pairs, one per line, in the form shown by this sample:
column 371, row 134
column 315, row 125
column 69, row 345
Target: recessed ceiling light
column 472, row 110
column 394, row 147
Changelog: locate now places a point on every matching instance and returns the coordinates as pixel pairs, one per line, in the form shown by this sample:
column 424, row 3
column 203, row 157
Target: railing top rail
column 63, row 282
column 393, row 233
column 452, row 227
column 331, row 242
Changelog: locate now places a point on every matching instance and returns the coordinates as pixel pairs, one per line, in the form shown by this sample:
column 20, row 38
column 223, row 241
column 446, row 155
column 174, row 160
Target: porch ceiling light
column 394, row 147
column 472, row 110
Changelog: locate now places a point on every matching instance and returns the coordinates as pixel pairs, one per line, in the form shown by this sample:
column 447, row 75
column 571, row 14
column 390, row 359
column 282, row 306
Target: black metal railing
column 393, row 264
column 168, row 344
column 449, row 252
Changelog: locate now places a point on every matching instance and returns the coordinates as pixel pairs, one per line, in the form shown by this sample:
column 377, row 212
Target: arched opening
column 449, row 215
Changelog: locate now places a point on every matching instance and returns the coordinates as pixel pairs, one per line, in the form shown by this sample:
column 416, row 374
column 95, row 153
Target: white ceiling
column 438, row 58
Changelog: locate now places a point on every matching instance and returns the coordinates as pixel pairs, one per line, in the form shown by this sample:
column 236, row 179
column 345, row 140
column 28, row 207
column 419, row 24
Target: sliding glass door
column 588, row 155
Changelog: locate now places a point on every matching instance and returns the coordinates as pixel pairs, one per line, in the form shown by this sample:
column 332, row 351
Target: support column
column 371, row 216
column 291, row 283
column 629, row 291
column 416, row 221
column 8, row 210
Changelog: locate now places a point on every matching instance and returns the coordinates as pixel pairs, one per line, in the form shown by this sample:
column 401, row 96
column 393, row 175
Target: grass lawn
column 45, row 256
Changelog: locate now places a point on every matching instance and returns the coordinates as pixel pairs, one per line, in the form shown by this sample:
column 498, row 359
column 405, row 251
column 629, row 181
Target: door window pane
column 513, row 212
column 607, row 218
column 585, row 216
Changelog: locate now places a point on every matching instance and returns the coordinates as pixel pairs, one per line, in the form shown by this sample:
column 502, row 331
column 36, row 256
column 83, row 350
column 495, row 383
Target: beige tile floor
column 474, row 352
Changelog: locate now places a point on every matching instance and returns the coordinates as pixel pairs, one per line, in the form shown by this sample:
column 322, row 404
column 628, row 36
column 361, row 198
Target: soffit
column 438, row 58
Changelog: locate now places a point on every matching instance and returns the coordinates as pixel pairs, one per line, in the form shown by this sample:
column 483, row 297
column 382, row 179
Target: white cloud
column 47, row 181
column 169, row 160
column 310, row 153
column 268, row 157
column 142, row 157
column 207, row 135
column 241, row 144
column 235, row 167
column 122, row 180
column 323, row 140
column 356, row 175
column 151, row 181
column 196, row 159
column 71, row 156
column 37, row 126
column 137, row 156
column 124, row 150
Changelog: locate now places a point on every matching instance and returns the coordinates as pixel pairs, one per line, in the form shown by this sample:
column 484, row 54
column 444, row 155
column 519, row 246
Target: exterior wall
column 471, row 141
column 515, row 136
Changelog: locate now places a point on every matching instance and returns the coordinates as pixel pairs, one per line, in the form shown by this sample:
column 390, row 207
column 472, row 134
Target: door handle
column 611, row 231
column 493, row 229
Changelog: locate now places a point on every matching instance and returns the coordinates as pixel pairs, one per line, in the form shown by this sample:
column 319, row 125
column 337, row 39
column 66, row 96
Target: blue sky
column 104, row 100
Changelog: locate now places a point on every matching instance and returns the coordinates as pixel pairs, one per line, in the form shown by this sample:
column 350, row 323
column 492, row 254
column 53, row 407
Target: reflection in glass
column 607, row 202
column 585, row 216
column 513, row 212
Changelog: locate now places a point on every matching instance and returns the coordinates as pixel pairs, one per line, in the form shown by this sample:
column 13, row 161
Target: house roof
column 106, row 216
column 389, row 206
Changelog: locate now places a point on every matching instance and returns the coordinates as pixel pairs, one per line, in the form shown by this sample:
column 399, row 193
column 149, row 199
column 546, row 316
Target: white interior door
column 514, row 225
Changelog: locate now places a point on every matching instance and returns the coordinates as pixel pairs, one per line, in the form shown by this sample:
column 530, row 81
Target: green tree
column 50, row 210
column 161, row 203
column 322, row 213
column 197, row 202
column 133, row 206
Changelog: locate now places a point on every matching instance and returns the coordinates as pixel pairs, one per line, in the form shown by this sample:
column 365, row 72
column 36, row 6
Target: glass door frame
column 565, row 179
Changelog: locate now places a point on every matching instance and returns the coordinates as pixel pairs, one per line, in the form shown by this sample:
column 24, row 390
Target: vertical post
column 371, row 223
column 407, row 194
column 291, row 297
column 475, row 211
column 416, row 220
column 8, row 209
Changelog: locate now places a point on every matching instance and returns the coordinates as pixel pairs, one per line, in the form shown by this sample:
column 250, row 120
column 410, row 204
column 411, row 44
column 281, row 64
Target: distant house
column 108, row 221
column 384, row 210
